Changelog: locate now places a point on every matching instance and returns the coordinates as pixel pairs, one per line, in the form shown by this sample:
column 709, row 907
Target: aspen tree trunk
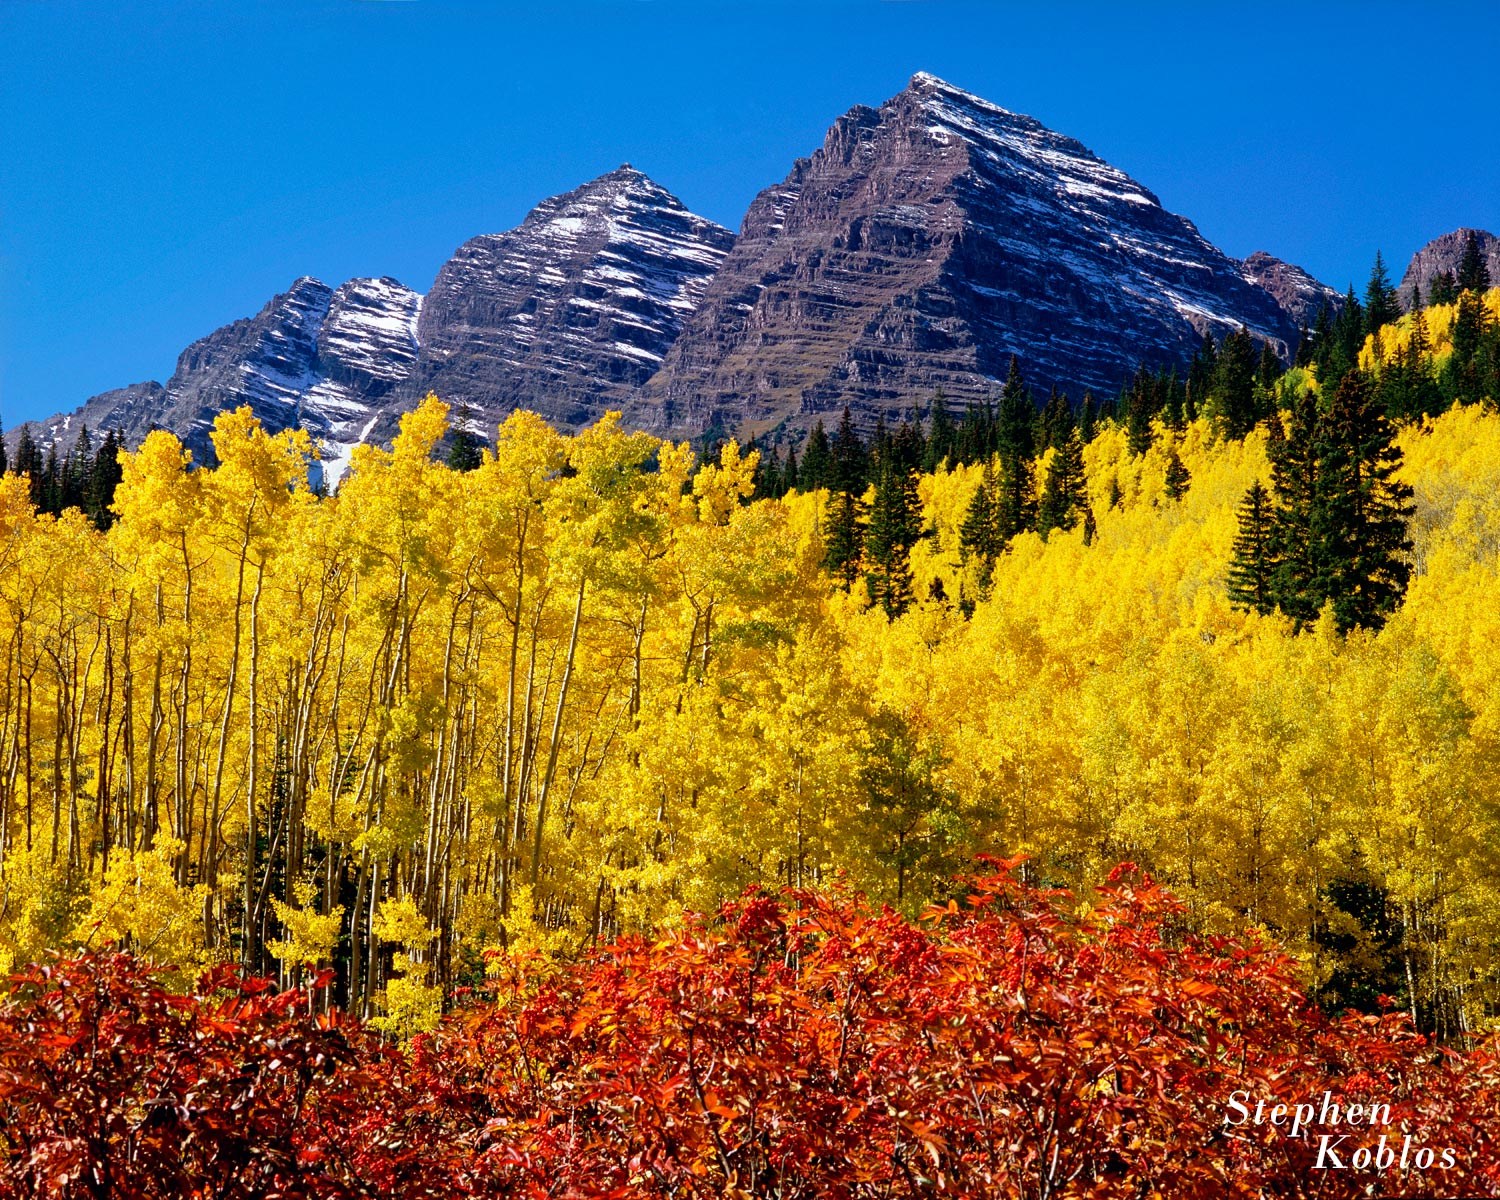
column 562, row 698
column 248, row 951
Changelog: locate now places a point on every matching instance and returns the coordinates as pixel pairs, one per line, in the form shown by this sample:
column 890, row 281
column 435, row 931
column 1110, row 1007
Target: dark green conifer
column 844, row 545
column 1443, row 289
column 1016, row 508
column 1087, row 419
column 1473, row 271
column 1382, row 307
column 1063, row 493
column 940, row 433
column 817, row 461
column 1233, row 391
column 895, row 525
column 1178, row 478
column 1361, row 510
column 1252, row 570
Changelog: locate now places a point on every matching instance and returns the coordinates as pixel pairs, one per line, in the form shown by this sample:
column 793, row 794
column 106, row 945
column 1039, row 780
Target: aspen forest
column 598, row 681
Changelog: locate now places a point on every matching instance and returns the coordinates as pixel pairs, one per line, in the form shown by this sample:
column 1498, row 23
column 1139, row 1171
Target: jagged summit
column 572, row 310
column 921, row 245
column 925, row 242
column 1446, row 253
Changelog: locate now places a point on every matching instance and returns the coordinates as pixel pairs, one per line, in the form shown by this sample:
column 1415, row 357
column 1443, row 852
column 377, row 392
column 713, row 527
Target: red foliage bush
column 805, row 1045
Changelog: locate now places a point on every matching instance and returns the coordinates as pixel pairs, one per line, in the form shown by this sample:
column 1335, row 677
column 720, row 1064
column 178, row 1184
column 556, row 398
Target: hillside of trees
column 1233, row 625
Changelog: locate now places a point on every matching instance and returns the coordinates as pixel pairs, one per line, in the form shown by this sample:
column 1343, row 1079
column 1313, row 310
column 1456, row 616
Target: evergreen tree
column 979, row 531
column 817, row 461
column 1201, row 372
column 104, row 479
column 1294, row 477
column 1177, row 476
column 1087, row 419
column 464, row 449
column 895, row 525
column 74, row 490
column 908, row 448
column 1252, row 570
column 4, row 464
column 1016, row 509
column 1361, row 510
column 844, row 546
column 940, row 433
column 789, row 474
column 1090, row 526
column 1138, row 433
column 29, row 463
column 1233, row 393
column 848, row 459
column 1382, row 307
column 52, row 479
column 1443, row 289
column 1473, row 271
column 1414, row 299
column 1063, row 492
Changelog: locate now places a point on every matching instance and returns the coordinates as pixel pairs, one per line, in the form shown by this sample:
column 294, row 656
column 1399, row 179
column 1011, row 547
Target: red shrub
column 800, row 1046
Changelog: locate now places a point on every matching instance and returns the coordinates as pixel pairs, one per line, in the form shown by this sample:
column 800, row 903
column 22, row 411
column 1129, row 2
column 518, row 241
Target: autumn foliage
column 804, row 1044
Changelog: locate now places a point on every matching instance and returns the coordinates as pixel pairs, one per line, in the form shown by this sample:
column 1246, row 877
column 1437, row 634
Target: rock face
column 926, row 242
column 1298, row 293
column 572, row 311
column 922, row 245
column 568, row 314
column 1444, row 254
column 313, row 356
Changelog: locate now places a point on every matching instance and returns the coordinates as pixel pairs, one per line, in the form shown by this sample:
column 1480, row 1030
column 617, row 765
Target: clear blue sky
column 165, row 168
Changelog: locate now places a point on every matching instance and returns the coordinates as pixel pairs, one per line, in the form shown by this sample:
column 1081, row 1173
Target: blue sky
column 166, row 168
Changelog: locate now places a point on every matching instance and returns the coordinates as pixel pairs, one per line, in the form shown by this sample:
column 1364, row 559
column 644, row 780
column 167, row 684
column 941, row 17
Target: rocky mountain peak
column 572, row 310
column 1298, row 293
column 925, row 242
column 1445, row 253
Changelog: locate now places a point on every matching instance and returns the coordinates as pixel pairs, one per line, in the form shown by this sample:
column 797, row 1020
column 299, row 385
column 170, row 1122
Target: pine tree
column 1473, row 271
column 1138, row 433
column 76, row 472
column 849, row 461
column 1177, row 476
column 1414, row 298
column 1090, row 526
column 1063, row 491
column 1252, row 570
column 895, row 525
column 1443, row 289
column 1087, row 419
column 4, row 465
column 1016, row 508
column 29, row 463
column 979, row 531
column 104, row 479
column 1294, row 480
column 844, row 546
column 1233, row 391
column 817, row 461
column 789, row 474
column 1361, row 510
column 1382, row 307
column 52, row 480
column 940, row 433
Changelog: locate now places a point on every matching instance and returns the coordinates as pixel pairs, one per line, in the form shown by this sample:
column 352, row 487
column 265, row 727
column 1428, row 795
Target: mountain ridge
column 922, row 244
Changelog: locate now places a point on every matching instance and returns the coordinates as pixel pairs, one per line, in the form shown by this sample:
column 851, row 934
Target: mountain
column 1444, row 254
column 567, row 314
column 1297, row 293
column 925, row 243
column 314, row 355
column 572, row 311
